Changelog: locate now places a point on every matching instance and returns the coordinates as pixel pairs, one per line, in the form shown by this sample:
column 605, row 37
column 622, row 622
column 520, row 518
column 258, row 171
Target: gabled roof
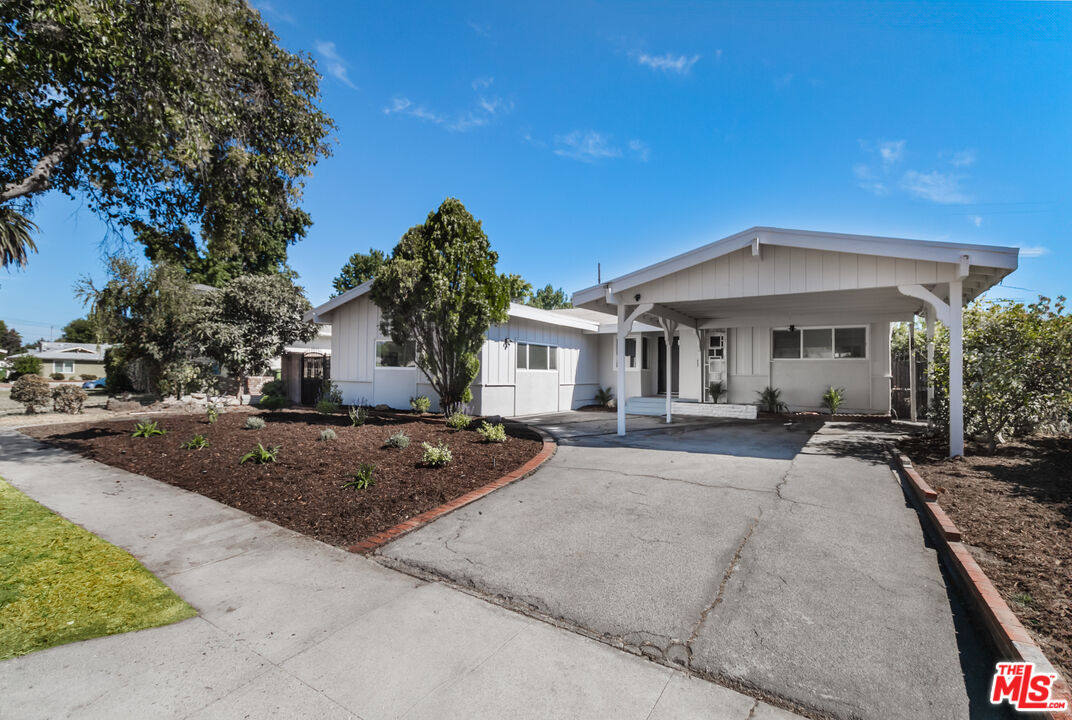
column 84, row 352
column 983, row 255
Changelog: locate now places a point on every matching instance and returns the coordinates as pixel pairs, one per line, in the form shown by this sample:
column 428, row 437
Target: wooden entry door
column 661, row 370
column 314, row 370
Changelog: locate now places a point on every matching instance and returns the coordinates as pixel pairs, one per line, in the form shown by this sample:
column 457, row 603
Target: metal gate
column 315, row 369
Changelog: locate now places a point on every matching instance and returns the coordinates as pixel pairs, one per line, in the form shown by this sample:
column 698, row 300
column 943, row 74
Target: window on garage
column 391, row 354
column 537, row 357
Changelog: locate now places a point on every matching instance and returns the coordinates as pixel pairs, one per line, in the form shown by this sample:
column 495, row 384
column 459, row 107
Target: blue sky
column 622, row 133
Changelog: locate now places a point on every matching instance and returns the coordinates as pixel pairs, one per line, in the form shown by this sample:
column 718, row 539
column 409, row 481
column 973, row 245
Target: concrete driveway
column 785, row 562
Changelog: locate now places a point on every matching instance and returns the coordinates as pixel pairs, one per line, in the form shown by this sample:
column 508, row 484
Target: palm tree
column 15, row 240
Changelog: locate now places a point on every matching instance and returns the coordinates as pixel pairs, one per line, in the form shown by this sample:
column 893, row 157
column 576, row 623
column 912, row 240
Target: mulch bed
column 301, row 490
column 1014, row 511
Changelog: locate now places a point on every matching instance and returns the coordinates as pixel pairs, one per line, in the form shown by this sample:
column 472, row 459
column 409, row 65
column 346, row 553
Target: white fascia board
column 550, row 317
column 985, row 255
column 638, row 327
column 354, row 293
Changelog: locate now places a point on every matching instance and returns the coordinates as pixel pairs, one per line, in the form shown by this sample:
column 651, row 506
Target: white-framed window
column 390, row 354
column 822, row 343
column 63, row 366
column 537, row 357
column 630, row 353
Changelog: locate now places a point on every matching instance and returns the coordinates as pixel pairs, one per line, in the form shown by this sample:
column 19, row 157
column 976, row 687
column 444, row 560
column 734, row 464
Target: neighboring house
column 71, row 359
column 792, row 309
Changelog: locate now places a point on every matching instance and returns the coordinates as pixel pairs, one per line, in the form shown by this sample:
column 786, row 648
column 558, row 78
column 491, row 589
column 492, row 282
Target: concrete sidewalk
column 290, row 627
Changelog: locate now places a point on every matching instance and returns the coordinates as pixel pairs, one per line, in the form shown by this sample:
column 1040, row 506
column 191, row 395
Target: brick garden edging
column 1005, row 630
column 379, row 539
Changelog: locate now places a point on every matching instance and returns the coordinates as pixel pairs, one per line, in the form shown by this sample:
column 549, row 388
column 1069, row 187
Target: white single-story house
column 797, row 310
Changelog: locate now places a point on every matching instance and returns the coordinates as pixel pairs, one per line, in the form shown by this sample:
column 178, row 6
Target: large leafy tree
column 80, row 330
column 440, row 290
column 246, row 323
column 151, row 313
column 518, row 287
column 1017, row 368
column 358, row 269
column 548, row 298
column 162, row 115
column 10, row 339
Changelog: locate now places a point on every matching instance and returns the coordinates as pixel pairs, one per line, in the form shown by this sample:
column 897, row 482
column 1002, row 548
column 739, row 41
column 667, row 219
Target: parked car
column 92, row 384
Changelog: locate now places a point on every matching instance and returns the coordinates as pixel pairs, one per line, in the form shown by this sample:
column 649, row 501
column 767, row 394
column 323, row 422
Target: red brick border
column 379, row 539
column 1007, row 634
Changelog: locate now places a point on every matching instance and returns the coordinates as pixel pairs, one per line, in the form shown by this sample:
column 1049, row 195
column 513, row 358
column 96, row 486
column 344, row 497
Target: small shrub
column 27, row 365
column 68, row 399
column 330, row 391
column 58, row 376
column 88, row 376
column 362, row 479
column 327, row 434
column 420, row 404
column 770, row 399
column 716, row 389
column 197, row 442
column 833, row 398
column 260, row 455
column 32, row 391
column 436, row 455
column 492, row 433
column 458, row 421
column 212, row 413
column 604, row 397
column 327, row 407
column 255, row 423
column 398, row 440
column 274, row 388
column 358, row 414
column 273, row 402
column 146, row 429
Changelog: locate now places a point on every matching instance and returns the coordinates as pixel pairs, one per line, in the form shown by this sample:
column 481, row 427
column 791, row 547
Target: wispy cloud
column 780, row 83
column 588, row 146
column 334, row 63
column 486, row 108
column 1033, row 251
column 936, row 186
column 639, row 150
column 976, row 220
column 481, row 29
column 961, row 158
column 267, row 8
column 868, row 181
column 891, row 151
column 667, row 62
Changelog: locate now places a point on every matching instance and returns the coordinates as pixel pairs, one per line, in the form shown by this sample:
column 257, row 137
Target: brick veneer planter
column 1006, row 633
column 371, row 543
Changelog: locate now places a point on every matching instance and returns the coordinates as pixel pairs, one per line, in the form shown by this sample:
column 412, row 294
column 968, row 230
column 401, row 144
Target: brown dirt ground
column 1014, row 510
column 302, row 490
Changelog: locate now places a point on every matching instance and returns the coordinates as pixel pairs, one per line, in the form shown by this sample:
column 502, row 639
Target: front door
column 673, row 366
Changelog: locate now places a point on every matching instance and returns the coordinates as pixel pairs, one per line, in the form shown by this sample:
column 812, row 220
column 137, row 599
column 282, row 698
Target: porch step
column 657, row 406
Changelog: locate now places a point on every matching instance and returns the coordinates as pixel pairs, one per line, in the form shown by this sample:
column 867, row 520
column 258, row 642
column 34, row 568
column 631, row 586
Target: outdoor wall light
column 637, row 297
column 792, row 328
column 506, row 342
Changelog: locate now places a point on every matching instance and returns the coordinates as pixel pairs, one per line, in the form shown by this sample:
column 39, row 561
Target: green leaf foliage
column 147, row 429
column 358, row 269
column 440, row 290
column 161, row 115
column 547, row 298
column 1017, row 369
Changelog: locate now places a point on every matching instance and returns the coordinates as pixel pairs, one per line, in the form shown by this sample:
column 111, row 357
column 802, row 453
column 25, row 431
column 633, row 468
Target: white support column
column 912, row 369
column 620, row 353
column 956, row 368
column 930, row 361
column 669, row 328
column 703, row 363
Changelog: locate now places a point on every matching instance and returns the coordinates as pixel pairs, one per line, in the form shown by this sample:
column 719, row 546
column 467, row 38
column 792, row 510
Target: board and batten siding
column 784, row 270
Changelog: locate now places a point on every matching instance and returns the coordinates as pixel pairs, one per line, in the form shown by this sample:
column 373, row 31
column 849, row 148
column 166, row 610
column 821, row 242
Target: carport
column 770, row 284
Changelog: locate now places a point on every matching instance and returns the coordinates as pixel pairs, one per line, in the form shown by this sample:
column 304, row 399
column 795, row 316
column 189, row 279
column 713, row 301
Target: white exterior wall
column 634, row 377
column 866, row 380
column 503, row 389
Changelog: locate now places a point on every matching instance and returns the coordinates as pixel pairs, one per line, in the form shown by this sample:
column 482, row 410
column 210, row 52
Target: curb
column 1006, row 633
column 382, row 538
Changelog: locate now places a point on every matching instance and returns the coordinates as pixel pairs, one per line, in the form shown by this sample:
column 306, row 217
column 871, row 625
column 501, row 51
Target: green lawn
column 60, row 583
